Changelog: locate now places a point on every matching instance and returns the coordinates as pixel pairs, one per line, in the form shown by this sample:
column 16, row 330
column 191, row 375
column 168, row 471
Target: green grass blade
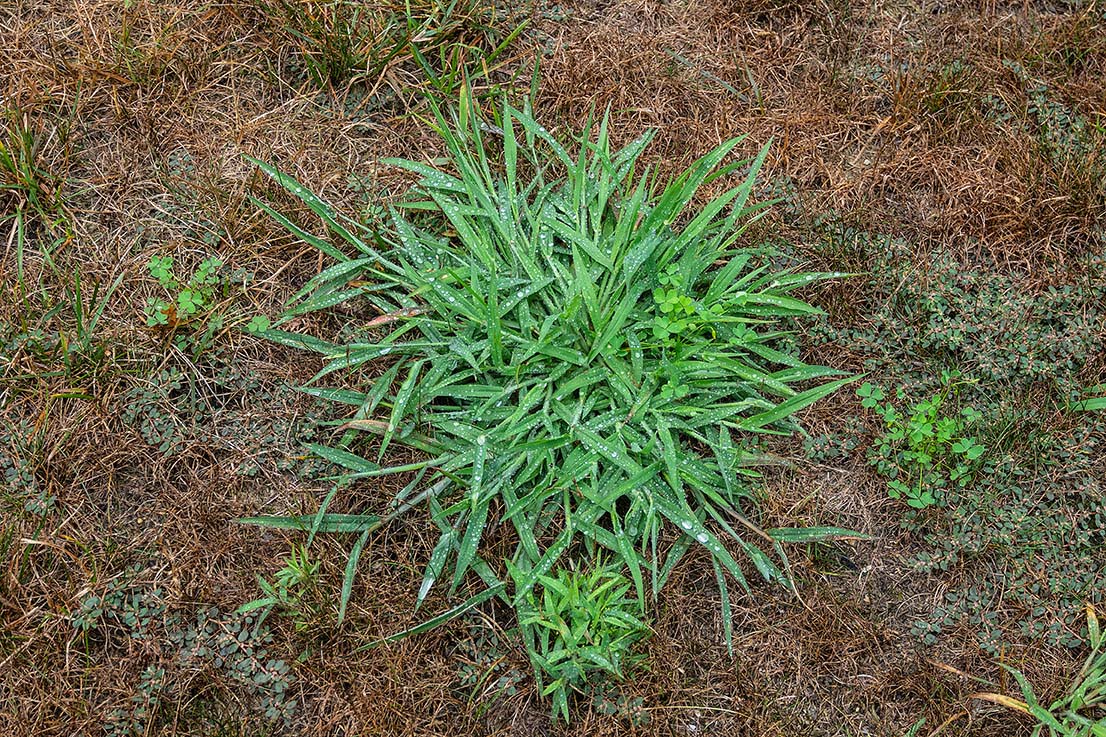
column 328, row 523
column 790, row 406
column 443, row 618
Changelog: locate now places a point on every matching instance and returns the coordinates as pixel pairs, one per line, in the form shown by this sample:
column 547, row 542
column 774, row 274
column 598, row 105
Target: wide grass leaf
column 571, row 349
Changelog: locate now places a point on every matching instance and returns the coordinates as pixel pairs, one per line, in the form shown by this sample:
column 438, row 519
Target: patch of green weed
column 218, row 404
column 1020, row 530
column 484, row 670
column 429, row 43
column 581, row 624
column 926, row 449
column 570, row 362
column 19, row 457
column 190, row 308
column 137, row 718
column 1039, row 515
column 1081, row 710
column 973, row 318
column 234, row 645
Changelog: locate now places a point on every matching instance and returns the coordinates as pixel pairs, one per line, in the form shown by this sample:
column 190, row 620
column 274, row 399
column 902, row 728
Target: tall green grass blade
column 329, row 523
column 447, row 616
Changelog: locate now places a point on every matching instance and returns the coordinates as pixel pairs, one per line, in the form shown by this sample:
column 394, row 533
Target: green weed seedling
column 192, row 303
column 197, row 309
column 133, row 611
column 332, row 35
column 580, row 625
column 85, row 350
column 27, row 191
column 258, row 324
column 923, row 450
column 289, row 592
column 915, row 728
column 187, row 298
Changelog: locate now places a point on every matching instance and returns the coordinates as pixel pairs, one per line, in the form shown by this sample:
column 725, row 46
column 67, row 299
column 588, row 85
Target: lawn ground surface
column 950, row 155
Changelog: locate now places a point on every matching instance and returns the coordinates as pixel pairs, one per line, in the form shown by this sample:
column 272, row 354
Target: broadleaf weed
column 923, row 450
column 189, row 298
column 193, row 311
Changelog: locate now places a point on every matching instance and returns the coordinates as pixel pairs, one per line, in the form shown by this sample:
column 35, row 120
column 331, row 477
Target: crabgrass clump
column 581, row 625
column 574, row 354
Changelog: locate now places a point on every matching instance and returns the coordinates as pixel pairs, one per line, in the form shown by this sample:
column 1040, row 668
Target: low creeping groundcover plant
column 576, row 357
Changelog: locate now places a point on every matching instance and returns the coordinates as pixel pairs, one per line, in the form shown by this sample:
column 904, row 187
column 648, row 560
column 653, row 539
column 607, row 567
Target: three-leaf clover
column 870, row 395
column 671, row 276
column 161, row 268
column 968, row 448
column 673, row 301
column 664, row 327
column 259, row 324
column 189, row 301
column 157, row 312
column 674, row 390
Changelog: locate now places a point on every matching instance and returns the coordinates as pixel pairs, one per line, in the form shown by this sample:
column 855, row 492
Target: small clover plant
column 188, row 299
column 925, row 448
column 195, row 310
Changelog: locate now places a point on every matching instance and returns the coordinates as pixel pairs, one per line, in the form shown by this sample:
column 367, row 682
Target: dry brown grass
column 866, row 116
column 866, row 120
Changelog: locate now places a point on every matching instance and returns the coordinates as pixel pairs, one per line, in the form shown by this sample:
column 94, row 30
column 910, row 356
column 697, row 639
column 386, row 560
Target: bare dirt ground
column 128, row 461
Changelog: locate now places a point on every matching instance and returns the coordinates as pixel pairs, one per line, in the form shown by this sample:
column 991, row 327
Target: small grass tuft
column 339, row 41
column 1081, row 711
